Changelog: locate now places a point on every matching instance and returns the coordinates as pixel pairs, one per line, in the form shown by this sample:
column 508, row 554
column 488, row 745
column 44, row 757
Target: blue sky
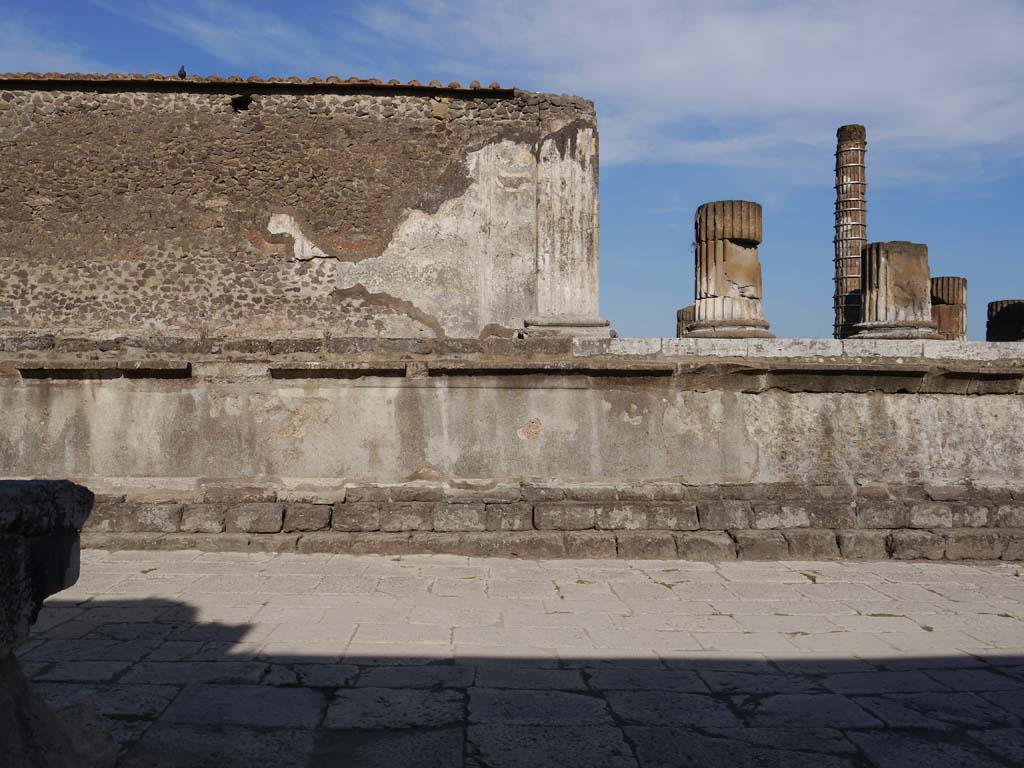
column 696, row 101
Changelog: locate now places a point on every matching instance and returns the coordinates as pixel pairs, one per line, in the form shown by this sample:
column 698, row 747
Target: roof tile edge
column 330, row 82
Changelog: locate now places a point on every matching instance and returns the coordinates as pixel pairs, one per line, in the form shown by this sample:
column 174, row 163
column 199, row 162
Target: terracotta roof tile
column 79, row 78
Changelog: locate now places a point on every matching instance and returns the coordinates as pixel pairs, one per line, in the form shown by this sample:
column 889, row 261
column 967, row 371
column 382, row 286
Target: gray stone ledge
column 979, row 544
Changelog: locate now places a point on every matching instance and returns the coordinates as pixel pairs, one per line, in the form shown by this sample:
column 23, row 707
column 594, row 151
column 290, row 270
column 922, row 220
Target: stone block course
column 884, row 521
column 931, row 515
column 705, row 546
column 864, row 544
column 811, row 544
column 238, row 494
column 647, row 545
column 917, row 545
column 673, row 517
column 148, row 518
column 760, row 545
column 203, row 518
column 721, row 515
column 254, row 518
column 565, row 516
column 508, row 517
column 974, row 544
column 356, row 516
column 306, row 517
column 407, row 516
column 590, row 545
column 460, row 517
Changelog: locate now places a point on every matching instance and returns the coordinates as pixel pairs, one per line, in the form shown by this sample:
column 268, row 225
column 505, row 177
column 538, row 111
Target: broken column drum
column 728, row 273
column 851, row 224
column 684, row 317
column 896, row 292
column 949, row 307
column 1005, row 320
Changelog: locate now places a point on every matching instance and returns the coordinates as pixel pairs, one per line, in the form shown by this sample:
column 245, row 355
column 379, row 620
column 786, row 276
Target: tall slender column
column 851, row 225
column 896, row 292
column 949, row 307
column 1005, row 320
column 728, row 273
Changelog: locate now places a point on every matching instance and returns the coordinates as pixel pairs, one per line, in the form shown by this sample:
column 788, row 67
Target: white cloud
column 34, row 47
column 732, row 82
column 750, row 84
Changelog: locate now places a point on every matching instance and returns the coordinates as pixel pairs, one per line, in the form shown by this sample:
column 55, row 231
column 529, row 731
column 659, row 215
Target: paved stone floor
column 304, row 660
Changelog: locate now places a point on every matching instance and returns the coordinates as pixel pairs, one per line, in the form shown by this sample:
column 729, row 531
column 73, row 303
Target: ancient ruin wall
column 701, row 448
column 266, row 209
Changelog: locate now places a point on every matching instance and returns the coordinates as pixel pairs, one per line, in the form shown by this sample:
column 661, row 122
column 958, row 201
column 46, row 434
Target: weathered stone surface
column 202, row 518
column 934, row 515
column 650, row 545
column 564, row 517
column 728, row 273
column 495, row 193
column 811, row 544
column 509, row 517
column 152, row 518
column 306, row 517
column 974, row 544
column 407, row 516
column 895, row 292
column 761, row 545
column 356, row 516
column 917, row 545
column 705, row 546
column 254, row 518
column 460, row 517
column 719, row 515
column 864, row 544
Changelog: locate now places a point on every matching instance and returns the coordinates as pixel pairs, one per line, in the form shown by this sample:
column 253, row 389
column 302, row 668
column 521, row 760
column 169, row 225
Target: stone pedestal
column 896, row 292
column 728, row 273
column 1005, row 320
column 684, row 317
column 949, row 307
column 851, row 226
column 39, row 524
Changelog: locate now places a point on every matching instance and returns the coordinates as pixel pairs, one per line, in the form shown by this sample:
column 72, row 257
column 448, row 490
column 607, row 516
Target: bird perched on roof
column 181, row 72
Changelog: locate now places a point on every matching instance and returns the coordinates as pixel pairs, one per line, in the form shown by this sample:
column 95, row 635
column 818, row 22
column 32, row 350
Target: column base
column 878, row 330
column 729, row 329
column 567, row 325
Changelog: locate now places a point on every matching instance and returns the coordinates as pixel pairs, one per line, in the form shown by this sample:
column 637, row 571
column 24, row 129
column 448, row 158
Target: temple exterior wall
column 271, row 209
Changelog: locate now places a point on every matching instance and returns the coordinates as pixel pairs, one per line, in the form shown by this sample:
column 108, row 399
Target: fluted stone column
column 949, row 307
column 851, row 225
column 896, row 292
column 684, row 317
column 567, row 236
column 728, row 273
column 1005, row 320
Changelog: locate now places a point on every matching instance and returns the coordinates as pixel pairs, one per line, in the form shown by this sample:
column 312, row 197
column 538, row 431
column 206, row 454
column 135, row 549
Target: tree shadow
column 175, row 690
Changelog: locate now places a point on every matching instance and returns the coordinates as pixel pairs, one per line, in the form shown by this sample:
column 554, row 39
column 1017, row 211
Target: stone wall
column 215, row 208
column 699, row 448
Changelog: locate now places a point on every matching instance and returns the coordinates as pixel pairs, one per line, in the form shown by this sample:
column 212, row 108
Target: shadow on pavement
column 178, row 691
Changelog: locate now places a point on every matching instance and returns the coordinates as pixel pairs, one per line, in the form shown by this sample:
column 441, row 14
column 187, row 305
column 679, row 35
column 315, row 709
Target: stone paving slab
column 228, row 659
